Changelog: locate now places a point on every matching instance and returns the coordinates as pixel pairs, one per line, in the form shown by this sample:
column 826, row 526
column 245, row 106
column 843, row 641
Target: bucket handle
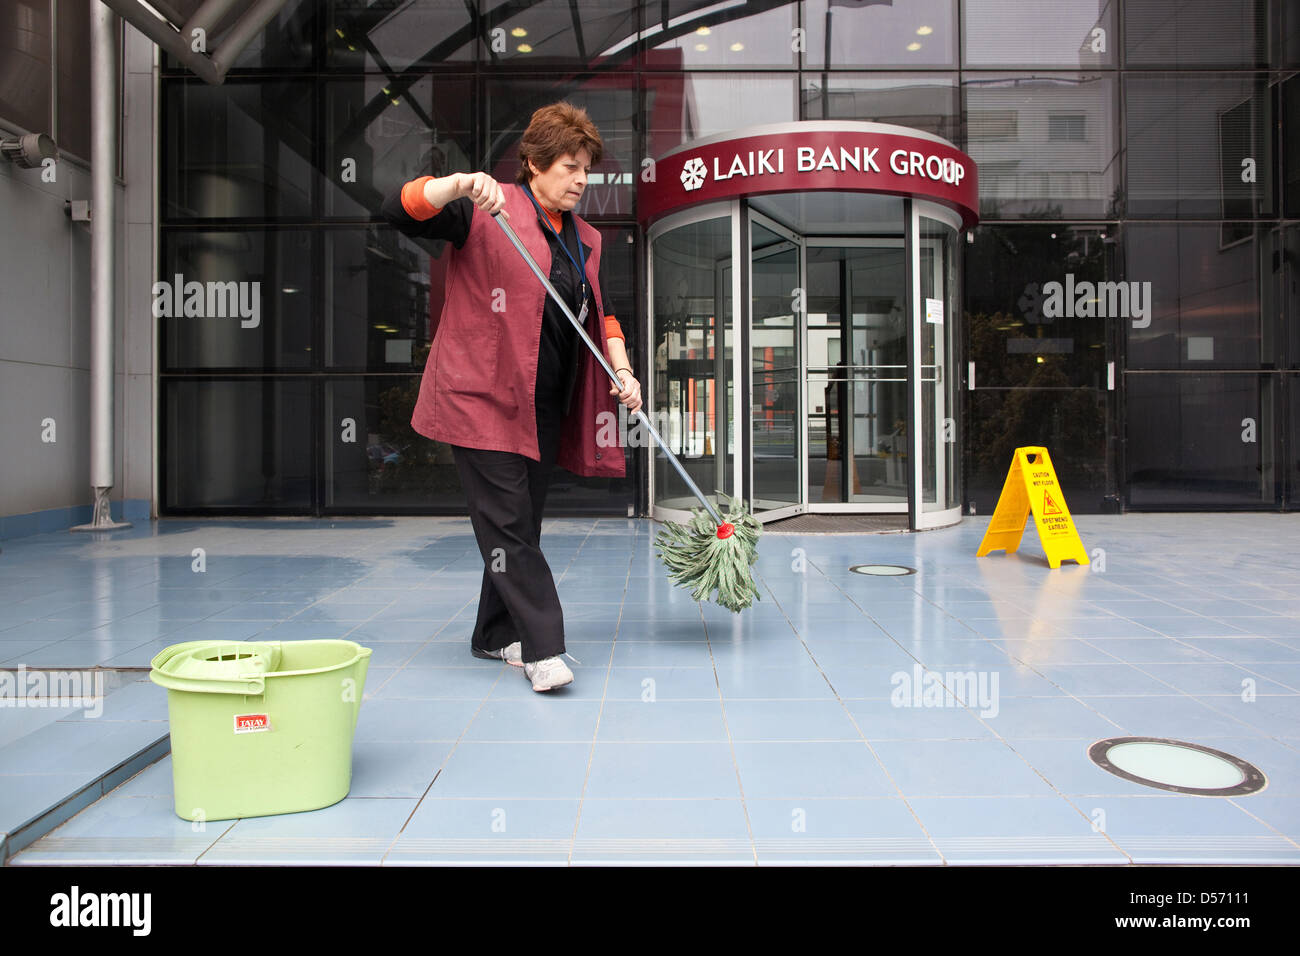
column 248, row 686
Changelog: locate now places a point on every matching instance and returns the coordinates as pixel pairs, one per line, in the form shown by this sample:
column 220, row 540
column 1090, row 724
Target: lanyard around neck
column 581, row 262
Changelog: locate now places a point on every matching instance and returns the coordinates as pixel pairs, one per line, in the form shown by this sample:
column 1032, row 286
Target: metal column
column 103, row 162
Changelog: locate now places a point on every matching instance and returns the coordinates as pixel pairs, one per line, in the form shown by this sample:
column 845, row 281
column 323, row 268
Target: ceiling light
column 703, row 31
column 701, row 47
column 519, row 32
column 737, row 47
column 914, row 46
column 524, row 48
column 924, row 31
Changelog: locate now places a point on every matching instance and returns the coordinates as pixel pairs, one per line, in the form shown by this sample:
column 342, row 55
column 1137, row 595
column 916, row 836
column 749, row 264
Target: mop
column 708, row 554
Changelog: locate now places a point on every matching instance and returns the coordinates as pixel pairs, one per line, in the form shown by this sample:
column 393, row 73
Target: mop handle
column 613, row 376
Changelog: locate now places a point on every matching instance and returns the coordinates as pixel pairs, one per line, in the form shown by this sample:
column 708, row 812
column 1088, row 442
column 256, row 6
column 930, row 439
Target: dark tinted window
column 385, row 38
column 1047, row 146
column 706, row 35
column 244, row 300
column 242, row 149
column 25, row 51
column 558, row 33
column 237, row 443
column 680, row 107
column 897, row 35
column 1201, row 282
column 1204, row 441
column 287, row 42
column 1196, row 33
column 1199, row 147
column 921, row 101
column 381, row 132
column 1041, row 305
column 73, row 132
column 1069, row 34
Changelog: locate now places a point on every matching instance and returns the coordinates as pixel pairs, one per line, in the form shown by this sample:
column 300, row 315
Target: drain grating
column 882, row 570
column 1177, row 766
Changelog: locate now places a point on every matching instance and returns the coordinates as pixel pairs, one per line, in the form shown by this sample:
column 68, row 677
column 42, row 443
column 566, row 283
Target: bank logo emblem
column 693, row 174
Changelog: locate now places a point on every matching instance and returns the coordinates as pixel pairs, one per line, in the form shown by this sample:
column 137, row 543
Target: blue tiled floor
column 798, row 732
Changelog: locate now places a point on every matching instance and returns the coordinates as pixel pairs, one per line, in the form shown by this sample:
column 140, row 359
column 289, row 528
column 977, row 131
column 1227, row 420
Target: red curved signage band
column 799, row 161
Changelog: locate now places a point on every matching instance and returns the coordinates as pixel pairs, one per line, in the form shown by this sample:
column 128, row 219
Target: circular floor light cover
column 882, row 570
column 1177, row 765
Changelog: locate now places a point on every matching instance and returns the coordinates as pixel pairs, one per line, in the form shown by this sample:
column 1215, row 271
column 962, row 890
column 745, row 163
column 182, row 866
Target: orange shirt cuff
column 413, row 201
column 612, row 329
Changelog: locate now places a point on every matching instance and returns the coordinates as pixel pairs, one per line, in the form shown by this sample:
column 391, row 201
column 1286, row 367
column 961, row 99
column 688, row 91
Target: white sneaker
column 511, row 654
column 549, row 673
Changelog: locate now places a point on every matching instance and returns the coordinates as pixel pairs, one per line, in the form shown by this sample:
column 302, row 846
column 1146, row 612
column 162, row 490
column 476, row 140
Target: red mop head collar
column 726, row 530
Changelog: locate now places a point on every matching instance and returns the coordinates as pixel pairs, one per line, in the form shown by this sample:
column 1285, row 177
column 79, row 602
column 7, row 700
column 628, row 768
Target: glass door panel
column 777, row 457
column 934, row 331
column 857, row 395
column 691, row 327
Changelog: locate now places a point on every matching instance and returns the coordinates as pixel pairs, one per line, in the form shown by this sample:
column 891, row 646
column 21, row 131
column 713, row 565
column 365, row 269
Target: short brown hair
column 555, row 131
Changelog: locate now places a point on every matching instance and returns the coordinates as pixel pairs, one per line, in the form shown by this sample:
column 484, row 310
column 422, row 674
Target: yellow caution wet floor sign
column 1031, row 487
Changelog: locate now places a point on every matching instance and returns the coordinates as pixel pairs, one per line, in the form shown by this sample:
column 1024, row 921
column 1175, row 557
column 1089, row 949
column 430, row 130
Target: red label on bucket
column 252, row 723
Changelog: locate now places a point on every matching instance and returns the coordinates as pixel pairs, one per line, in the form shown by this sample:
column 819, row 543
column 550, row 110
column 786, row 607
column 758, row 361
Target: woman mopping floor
column 474, row 386
column 507, row 383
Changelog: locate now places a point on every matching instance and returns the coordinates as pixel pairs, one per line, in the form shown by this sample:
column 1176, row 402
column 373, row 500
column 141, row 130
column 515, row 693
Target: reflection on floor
column 797, row 731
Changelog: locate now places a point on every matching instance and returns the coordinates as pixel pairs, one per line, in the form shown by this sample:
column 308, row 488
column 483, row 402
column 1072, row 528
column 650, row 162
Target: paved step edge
column 64, row 809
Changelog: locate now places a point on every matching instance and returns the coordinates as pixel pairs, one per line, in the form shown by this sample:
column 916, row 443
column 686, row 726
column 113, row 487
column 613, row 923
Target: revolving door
column 803, row 355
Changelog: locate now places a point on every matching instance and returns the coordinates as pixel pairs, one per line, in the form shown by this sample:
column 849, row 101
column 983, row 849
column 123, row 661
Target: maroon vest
column 478, row 385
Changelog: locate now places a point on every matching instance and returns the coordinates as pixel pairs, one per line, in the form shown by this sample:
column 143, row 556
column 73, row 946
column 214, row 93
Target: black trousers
column 506, row 494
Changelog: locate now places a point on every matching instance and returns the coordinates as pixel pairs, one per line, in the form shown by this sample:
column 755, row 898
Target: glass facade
column 1130, row 293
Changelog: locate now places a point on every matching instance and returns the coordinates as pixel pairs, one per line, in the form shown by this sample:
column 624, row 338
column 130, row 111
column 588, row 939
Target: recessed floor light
column 882, row 570
column 1178, row 766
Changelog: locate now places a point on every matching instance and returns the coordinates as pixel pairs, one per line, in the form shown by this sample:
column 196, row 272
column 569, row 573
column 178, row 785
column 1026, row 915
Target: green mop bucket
column 260, row 728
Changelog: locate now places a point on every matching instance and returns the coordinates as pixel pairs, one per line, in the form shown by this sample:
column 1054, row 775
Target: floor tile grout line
column 443, row 766
column 994, row 732
column 943, row 861
column 220, row 836
column 731, row 743
column 1294, row 841
column 1098, row 646
column 600, row 713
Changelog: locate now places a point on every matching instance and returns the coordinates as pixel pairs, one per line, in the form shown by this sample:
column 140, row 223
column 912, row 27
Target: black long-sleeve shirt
column 559, row 348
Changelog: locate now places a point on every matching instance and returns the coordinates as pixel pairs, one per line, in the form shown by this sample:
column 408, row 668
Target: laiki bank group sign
column 807, row 156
